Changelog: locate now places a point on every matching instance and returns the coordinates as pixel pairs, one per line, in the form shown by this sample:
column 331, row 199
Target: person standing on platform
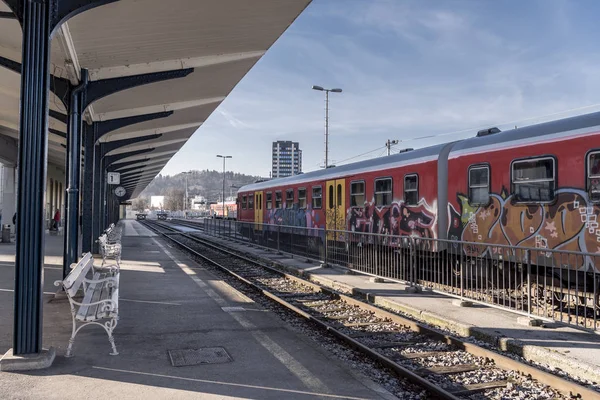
column 56, row 219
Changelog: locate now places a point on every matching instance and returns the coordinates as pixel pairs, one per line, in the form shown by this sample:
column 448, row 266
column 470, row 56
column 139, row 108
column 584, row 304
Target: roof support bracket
column 104, row 127
column 108, row 160
column 99, row 89
column 115, row 167
column 107, row 147
column 61, row 87
column 59, row 10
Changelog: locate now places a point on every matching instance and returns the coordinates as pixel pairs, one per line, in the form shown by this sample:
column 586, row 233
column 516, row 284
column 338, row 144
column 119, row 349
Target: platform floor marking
column 293, row 365
column 320, row 395
column 167, row 303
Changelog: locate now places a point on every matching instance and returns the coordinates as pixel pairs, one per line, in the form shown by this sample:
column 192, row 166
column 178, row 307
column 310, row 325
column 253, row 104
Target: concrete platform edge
column 44, row 359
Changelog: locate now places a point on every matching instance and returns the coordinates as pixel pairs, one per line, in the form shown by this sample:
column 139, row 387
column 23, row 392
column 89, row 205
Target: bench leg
column 108, row 326
column 73, row 334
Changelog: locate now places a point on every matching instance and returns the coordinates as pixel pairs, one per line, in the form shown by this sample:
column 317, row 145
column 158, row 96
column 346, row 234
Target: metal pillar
column 73, row 174
column 33, row 152
column 88, row 187
column 97, row 196
column 38, row 19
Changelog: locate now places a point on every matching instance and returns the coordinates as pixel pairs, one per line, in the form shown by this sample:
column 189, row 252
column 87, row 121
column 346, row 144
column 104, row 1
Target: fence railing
column 557, row 285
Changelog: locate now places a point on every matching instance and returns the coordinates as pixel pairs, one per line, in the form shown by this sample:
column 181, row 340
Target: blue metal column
column 73, row 173
column 88, row 186
column 39, row 19
column 33, row 153
column 97, row 196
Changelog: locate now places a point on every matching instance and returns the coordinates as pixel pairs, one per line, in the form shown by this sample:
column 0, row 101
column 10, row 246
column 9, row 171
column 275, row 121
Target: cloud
column 408, row 70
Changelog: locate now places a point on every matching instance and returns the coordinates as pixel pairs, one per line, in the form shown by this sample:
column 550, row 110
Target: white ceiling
column 220, row 39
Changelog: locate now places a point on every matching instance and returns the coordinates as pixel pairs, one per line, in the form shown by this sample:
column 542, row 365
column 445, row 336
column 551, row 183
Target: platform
column 167, row 302
column 574, row 351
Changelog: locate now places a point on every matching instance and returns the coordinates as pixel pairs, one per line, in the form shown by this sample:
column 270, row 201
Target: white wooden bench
column 109, row 251
column 100, row 304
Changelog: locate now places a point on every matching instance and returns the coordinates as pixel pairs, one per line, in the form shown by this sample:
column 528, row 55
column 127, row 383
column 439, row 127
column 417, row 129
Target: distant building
column 287, row 159
column 199, row 203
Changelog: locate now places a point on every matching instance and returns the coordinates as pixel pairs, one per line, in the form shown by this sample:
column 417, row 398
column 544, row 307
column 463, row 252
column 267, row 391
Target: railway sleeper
column 389, row 345
column 448, row 369
column 468, row 390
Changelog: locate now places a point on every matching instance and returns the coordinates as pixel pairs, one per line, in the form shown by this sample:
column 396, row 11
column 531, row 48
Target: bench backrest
column 73, row 281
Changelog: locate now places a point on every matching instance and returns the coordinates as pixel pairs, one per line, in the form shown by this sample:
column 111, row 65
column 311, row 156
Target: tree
column 174, row 199
column 140, row 204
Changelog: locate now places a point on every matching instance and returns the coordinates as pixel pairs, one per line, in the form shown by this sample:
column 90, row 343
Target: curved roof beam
column 168, row 65
column 156, row 108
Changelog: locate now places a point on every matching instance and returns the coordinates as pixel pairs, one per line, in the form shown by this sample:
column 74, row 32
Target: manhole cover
column 205, row 355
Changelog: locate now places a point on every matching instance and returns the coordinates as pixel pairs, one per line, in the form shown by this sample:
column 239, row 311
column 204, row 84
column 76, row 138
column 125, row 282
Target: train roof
column 528, row 135
column 395, row 160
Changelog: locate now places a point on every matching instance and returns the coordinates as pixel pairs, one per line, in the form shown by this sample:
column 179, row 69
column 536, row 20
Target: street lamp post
column 337, row 90
column 224, row 157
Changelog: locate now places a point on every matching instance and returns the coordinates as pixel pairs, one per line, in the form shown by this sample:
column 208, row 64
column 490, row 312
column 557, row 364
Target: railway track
column 445, row 366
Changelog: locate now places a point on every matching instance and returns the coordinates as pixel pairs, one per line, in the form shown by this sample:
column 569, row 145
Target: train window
column 593, row 177
column 302, row 198
column 339, row 195
column 330, row 196
column 357, row 194
column 534, row 180
column 244, row 202
column 250, row 202
column 479, row 185
column 289, row 198
column 383, row 192
column 269, row 200
column 411, row 190
column 278, row 199
column 317, row 194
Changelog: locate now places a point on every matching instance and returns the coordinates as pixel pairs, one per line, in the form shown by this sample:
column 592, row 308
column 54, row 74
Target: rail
column 554, row 285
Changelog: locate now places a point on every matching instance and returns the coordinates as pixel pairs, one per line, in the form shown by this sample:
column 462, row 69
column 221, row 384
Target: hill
column 204, row 183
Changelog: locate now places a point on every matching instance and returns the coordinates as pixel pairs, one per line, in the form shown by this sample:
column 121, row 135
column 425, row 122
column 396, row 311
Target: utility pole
column 336, row 90
column 389, row 144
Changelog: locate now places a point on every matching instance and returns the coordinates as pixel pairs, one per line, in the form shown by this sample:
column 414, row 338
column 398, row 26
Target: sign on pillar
column 113, row 178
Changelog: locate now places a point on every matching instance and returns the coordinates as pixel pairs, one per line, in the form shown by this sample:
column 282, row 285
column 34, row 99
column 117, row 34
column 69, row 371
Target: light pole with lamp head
column 337, row 90
column 224, row 157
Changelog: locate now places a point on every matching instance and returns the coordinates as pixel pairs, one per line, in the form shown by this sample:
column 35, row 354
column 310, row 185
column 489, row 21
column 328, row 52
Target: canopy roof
column 221, row 40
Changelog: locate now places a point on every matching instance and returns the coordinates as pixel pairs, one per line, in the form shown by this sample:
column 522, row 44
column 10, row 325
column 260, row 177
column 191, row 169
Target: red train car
column 395, row 196
column 535, row 187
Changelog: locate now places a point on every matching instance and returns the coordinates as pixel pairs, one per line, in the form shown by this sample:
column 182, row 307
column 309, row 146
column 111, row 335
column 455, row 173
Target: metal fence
column 557, row 285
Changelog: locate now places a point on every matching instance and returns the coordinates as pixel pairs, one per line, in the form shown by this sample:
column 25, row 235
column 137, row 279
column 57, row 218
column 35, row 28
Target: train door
column 335, row 208
column 258, row 209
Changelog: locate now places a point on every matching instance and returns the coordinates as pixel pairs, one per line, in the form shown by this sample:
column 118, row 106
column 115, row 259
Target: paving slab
column 570, row 349
column 168, row 302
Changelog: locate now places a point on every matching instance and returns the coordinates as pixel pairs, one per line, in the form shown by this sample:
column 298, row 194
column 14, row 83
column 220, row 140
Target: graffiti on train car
column 570, row 223
column 395, row 220
column 295, row 216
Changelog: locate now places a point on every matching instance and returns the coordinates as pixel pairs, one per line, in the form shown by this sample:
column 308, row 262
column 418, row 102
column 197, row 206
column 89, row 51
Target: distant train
column 535, row 187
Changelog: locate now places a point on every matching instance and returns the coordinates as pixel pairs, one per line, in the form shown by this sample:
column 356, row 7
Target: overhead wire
column 475, row 129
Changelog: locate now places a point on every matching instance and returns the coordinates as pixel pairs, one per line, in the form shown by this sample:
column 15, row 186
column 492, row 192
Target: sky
column 421, row 72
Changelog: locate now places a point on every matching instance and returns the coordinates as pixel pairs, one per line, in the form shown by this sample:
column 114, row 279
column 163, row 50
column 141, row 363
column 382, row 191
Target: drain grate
column 204, row 355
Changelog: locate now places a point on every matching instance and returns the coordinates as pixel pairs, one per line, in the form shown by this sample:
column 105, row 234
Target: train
column 530, row 187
